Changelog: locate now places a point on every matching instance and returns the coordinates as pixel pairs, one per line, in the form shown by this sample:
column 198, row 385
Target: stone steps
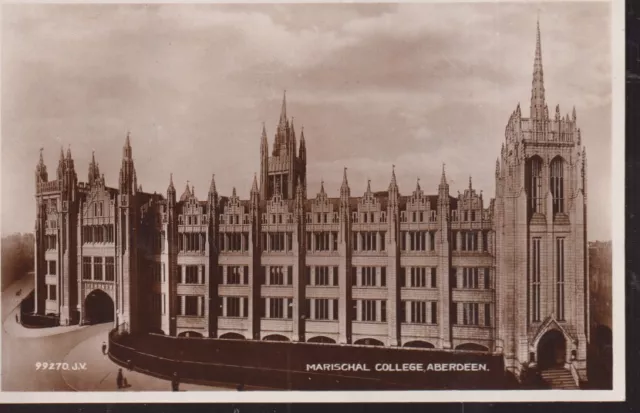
column 559, row 378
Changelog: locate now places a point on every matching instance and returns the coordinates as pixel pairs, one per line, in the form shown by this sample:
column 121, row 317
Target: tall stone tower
column 127, row 258
column 540, row 225
column 285, row 166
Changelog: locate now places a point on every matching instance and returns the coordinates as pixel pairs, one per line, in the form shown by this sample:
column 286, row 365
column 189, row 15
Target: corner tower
column 540, row 224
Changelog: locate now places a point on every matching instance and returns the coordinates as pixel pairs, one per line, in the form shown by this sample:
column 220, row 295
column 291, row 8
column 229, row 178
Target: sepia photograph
column 315, row 201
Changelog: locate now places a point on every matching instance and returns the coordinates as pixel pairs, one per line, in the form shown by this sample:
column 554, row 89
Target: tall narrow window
column 535, row 280
column 560, row 278
column 535, row 184
column 557, row 185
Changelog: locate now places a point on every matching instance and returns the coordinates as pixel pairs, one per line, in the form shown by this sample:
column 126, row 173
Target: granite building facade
column 419, row 269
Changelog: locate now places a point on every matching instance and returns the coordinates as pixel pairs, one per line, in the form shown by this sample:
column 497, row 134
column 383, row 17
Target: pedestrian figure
column 17, row 319
column 120, row 379
column 104, row 348
column 125, row 383
column 175, row 383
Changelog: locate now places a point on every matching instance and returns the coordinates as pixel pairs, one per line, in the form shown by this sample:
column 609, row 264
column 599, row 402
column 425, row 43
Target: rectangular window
column 322, row 276
column 403, row 277
column 487, row 314
column 434, row 312
column 321, row 309
column 308, row 275
column 453, row 315
column 52, row 267
column 191, row 305
column 289, row 275
column 53, row 293
column 233, row 275
column 418, row 312
column 110, row 270
column 382, row 241
column 383, row 310
column 192, row 274
column 383, row 276
column 164, row 303
column 403, row 311
column 335, row 309
column 335, row 241
column 335, row 276
column 368, row 276
column 470, row 278
column 535, row 279
column 560, row 278
column 233, row 306
column 470, row 314
column 276, row 307
column 368, row 310
column 418, row 277
column 245, row 307
column 354, row 276
column 487, row 278
column 97, row 268
column 276, row 276
column 245, row 275
column 434, row 277
column 86, row 268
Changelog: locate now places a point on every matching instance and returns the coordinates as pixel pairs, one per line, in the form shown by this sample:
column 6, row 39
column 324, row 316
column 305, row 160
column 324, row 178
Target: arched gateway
column 552, row 350
column 98, row 307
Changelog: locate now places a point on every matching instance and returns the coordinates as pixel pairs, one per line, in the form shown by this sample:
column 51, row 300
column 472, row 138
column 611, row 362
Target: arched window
column 535, row 185
column 557, row 185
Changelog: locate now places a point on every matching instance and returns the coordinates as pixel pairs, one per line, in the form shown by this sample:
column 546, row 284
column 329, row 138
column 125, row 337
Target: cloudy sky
column 413, row 85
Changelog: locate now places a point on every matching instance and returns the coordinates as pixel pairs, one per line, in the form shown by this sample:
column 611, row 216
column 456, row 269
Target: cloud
column 413, row 85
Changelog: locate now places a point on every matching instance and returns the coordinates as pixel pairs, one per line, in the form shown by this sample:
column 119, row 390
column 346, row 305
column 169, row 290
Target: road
column 20, row 354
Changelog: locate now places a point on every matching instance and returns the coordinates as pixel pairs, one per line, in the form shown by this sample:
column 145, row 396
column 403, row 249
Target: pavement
column 101, row 372
column 77, row 346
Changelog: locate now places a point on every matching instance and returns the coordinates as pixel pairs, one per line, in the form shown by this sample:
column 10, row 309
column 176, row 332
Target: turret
column 128, row 180
column 94, row 170
column 171, row 192
column 41, row 170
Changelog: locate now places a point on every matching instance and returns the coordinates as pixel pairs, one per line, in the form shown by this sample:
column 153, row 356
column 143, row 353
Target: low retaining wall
column 305, row 366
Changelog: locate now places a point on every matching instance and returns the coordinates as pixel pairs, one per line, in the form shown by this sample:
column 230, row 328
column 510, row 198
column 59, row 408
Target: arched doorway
column 98, row 308
column 552, row 349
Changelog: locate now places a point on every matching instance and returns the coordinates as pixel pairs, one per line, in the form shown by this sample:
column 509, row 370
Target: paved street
column 22, row 348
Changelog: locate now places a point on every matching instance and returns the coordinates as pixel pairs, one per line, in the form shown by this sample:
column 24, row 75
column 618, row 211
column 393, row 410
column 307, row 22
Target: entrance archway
column 98, row 308
column 552, row 349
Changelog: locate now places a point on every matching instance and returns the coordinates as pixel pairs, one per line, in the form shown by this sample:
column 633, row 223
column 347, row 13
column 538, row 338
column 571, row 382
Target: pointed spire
column 573, row 115
column 321, row 186
column 394, row 182
column 443, row 178
column 212, row 187
column 470, row 186
column 498, row 166
column 41, row 161
column 69, row 152
column 254, row 186
column 193, row 190
column 233, row 193
column 263, row 137
column 368, row 185
column 418, row 189
column 128, row 140
column 171, row 187
column 537, row 86
column 283, row 111
column 61, row 154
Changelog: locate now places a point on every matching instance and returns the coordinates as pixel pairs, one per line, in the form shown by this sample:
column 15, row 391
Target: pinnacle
column 254, row 186
column 443, row 179
column 212, row 187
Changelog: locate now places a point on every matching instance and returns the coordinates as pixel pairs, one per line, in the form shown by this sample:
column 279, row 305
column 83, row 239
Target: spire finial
column 283, row 111
column 537, row 87
column 443, row 179
column 470, row 186
column 418, row 184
